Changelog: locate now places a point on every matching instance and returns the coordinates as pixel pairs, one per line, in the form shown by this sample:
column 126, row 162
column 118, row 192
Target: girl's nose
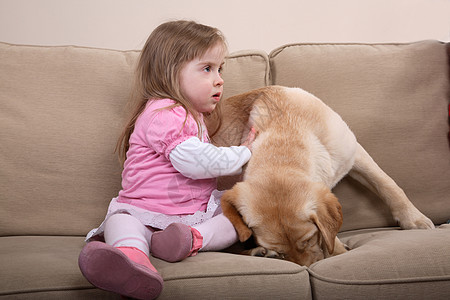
column 219, row 80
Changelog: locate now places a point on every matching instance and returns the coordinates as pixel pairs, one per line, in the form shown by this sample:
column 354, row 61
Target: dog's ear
column 328, row 217
column 230, row 202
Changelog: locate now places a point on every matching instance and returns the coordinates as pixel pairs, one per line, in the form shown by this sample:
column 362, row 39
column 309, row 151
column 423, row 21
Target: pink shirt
column 149, row 180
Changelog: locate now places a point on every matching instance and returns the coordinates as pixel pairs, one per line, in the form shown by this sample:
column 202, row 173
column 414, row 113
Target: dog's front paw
column 414, row 219
column 340, row 247
column 263, row 252
column 422, row 223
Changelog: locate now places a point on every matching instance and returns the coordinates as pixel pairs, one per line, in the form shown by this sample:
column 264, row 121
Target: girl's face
column 201, row 80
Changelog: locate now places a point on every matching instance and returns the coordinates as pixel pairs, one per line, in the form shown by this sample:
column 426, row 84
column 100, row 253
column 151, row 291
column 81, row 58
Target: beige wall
column 248, row 24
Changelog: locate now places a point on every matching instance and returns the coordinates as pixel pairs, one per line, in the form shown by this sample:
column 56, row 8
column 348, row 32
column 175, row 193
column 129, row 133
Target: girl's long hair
column 168, row 48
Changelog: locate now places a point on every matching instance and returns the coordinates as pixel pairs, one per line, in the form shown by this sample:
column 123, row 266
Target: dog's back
column 297, row 130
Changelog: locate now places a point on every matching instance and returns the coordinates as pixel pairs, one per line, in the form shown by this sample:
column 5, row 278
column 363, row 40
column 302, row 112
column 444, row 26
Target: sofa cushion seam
column 43, row 290
column 377, row 281
column 278, row 50
column 236, row 275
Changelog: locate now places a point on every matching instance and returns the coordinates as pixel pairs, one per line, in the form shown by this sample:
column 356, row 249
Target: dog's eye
column 301, row 245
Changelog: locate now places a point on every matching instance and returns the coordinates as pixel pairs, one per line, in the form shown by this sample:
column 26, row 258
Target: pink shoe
column 176, row 242
column 110, row 269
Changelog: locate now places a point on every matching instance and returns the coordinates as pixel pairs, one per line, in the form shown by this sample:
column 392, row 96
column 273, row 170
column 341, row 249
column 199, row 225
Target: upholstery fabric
column 62, row 109
column 193, row 278
column 61, row 112
column 389, row 264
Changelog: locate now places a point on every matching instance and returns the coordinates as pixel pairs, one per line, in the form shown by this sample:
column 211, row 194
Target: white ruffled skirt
column 159, row 220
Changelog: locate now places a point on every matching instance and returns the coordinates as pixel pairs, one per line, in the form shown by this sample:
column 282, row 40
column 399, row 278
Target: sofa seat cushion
column 387, row 264
column 232, row 276
column 42, row 267
column 46, row 267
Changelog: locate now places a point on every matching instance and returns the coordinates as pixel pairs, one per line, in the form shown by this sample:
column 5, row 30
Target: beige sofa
column 61, row 109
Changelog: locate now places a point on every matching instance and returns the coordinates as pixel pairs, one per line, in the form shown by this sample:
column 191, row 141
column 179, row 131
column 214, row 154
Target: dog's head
column 299, row 222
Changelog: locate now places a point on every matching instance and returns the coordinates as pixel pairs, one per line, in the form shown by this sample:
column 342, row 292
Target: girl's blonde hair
column 168, row 48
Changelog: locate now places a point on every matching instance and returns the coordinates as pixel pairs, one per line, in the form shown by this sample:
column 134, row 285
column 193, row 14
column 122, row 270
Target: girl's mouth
column 217, row 96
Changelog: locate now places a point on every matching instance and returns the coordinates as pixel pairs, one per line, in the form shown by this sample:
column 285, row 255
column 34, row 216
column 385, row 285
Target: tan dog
column 302, row 150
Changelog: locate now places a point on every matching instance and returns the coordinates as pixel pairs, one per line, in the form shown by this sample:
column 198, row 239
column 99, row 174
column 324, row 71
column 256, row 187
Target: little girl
column 168, row 205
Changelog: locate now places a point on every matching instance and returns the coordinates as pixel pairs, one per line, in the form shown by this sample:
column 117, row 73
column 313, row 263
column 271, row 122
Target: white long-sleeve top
column 197, row 160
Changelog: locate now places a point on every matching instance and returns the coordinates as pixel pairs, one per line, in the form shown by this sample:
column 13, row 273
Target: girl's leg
column 121, row 265
column 179, row 241
column 176, row 242
column 123, row 230
column 218, row 233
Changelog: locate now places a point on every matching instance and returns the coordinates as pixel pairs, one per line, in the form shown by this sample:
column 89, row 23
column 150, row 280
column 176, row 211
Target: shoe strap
column 197, row 242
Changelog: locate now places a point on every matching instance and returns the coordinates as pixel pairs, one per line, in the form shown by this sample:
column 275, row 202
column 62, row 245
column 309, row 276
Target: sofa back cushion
column 395, row 99
column 61, row 111
column 244, row 71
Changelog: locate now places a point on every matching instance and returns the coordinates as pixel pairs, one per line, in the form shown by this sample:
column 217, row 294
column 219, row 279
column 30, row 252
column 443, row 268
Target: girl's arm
column 198, row 160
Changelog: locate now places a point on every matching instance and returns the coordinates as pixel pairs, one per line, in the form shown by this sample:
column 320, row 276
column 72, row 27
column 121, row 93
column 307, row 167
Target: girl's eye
column 220, row 70
column 207, row 69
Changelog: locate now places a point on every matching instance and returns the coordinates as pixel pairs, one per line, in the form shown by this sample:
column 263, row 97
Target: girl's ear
column 230, row 201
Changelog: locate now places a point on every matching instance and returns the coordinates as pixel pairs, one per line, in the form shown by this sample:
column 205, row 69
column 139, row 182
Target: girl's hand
column 250, row 138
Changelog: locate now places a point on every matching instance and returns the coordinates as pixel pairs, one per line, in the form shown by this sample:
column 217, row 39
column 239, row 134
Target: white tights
column 123, row 230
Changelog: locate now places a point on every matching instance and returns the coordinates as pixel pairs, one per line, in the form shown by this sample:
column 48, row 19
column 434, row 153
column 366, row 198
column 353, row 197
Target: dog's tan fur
column 302, row 150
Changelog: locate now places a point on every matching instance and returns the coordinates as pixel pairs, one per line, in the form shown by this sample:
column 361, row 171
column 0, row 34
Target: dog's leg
column 263, row 252
column 367, row 172
column 339, row 247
